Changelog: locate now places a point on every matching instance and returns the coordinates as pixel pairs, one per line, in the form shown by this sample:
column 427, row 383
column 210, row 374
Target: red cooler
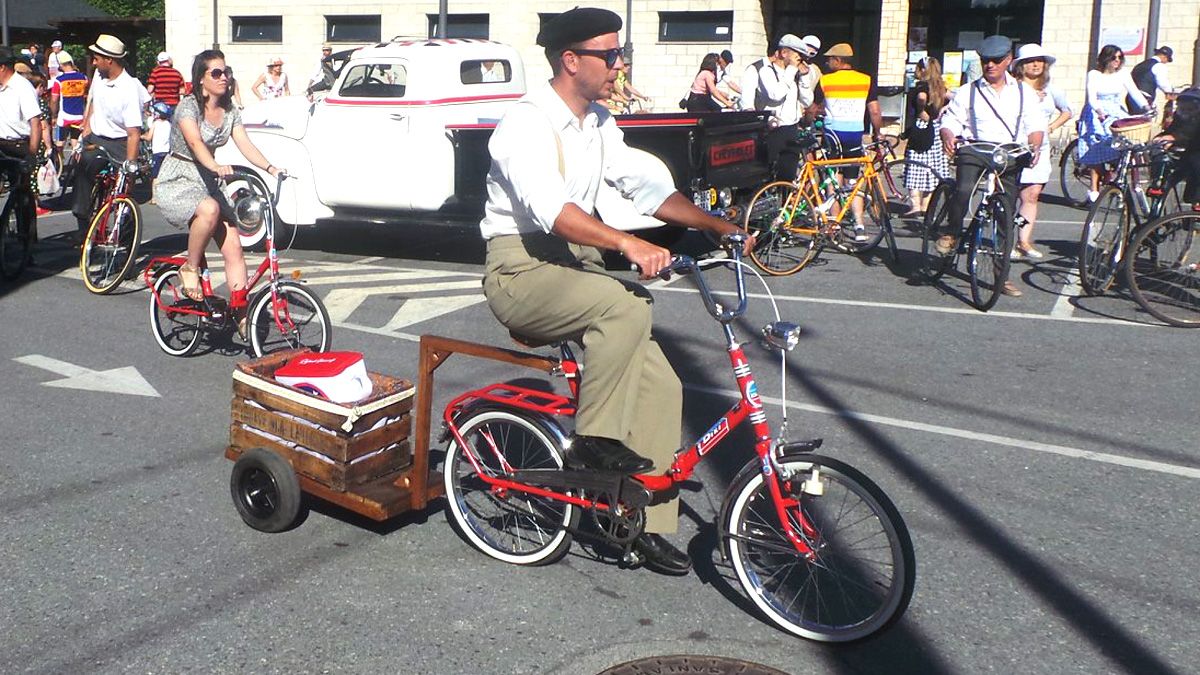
column 340, row 377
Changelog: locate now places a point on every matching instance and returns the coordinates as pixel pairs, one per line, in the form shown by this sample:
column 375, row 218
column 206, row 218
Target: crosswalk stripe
column 384, row 276
column 341, row 302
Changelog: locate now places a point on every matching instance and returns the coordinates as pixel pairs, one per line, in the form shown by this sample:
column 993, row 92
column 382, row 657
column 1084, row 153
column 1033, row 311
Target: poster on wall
column 1132, row 41
column 952, row 64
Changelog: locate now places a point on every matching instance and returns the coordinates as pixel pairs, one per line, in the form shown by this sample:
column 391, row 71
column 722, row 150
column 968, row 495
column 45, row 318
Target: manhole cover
column 690, row 665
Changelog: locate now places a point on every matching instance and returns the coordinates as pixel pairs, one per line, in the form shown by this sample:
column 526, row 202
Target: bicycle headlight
column 1000, row 157
column 248, row 209
column 724, row 197
column 782, row 335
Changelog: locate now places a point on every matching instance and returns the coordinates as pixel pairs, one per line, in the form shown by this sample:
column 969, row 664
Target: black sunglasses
column 218, row 73
column 610, row 56
column 994, row 59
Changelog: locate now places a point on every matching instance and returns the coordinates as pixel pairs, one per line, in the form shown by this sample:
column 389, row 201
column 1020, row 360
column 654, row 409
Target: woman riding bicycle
column 188, row 192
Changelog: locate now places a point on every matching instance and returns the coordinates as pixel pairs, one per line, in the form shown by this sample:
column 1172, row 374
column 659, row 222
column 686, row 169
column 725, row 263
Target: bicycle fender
column 547, row 422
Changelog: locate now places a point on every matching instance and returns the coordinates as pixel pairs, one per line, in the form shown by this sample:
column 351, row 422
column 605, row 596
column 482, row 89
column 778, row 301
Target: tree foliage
column 152, row 8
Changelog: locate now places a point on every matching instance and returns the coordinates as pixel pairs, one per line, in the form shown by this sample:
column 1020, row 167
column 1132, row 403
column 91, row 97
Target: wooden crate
column 338, row 446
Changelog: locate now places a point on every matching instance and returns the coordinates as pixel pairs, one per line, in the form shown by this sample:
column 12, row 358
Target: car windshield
column 375, row 80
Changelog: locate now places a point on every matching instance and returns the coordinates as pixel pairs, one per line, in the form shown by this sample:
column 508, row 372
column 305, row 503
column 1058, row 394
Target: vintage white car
column 404, row 130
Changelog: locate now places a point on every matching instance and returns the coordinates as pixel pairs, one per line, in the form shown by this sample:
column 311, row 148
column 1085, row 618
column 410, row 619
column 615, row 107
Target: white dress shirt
column 18, row 105
column 526, row 191
column 116, row 105
column 774, row 90
column 1007, row 102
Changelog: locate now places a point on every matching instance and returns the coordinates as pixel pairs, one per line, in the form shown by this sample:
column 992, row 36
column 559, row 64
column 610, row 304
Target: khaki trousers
column 541, row 286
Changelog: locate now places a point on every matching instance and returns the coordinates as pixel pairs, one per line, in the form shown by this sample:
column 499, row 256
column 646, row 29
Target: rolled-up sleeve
column 955, row 115
column 526, row 155
column 635, row 177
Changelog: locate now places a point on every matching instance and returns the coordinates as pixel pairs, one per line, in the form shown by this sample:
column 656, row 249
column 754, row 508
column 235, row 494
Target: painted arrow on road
column 125, row 380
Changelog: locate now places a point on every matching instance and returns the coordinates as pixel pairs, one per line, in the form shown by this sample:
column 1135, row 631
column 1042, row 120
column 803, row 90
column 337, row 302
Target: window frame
column 332, row 19
column 235, row 21
column 716, row 18
column 432, row 20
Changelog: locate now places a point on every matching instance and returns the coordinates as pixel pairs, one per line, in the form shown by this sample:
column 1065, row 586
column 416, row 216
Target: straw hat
column 107, row 45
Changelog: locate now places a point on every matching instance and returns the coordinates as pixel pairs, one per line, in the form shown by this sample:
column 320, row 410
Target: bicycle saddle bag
column 340, row 377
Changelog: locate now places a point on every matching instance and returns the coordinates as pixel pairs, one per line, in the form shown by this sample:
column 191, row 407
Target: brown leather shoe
column 1011, row 290
column 946, row 244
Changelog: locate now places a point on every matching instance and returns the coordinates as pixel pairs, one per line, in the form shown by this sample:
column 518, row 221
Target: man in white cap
column 165, row 83
column 54, row 58
column 113, row 121
column 769, row 84
column 808, row 74
column 545, row 275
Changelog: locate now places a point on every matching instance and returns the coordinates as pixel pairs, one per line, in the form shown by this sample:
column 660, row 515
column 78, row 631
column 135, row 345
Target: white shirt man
column 19, row 110
column 773, row 83
column 116, row 105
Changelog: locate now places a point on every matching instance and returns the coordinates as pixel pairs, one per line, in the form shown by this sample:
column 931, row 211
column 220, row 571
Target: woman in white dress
column 1107, row 88
column 273, row 83
column 1032, row 66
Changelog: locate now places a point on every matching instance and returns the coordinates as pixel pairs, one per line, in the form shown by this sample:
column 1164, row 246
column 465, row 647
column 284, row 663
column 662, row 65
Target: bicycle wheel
column 786, row 237
column 177, row 333
column 1073, row 177
column 508, row 525
column 299, row 319
column 894, row 180
column 862, row 571
column 1102, row 241
column 988, row 261
column 111, row 244
column 934, row 264
column 874, row 219
column 16, row 238
column 1163, row 269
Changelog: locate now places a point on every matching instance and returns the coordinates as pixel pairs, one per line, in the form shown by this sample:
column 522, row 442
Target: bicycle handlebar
column 683, row 264
column 272, row 196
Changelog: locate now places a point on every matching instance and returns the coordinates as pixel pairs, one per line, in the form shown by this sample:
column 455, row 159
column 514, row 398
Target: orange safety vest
column 845, row 99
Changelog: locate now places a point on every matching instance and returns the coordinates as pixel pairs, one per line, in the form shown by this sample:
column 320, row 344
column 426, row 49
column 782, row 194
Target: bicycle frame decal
column 712, row 437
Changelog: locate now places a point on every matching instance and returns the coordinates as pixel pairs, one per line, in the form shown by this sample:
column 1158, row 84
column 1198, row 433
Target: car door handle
column 396, row 117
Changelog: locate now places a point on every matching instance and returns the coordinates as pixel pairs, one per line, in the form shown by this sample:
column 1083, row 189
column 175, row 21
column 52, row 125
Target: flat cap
column 995, row 47
column 576, row 25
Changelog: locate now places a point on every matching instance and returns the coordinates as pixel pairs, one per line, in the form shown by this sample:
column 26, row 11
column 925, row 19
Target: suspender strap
column 1012, row 131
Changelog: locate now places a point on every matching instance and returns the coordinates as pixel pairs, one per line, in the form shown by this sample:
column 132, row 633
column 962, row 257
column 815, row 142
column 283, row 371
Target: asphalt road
column 1044, row 456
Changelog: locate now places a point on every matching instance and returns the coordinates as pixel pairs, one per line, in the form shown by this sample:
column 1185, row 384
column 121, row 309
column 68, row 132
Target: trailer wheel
column 265, row 490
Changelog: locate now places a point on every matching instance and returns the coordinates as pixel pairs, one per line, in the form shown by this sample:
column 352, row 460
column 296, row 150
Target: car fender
column 298, row 202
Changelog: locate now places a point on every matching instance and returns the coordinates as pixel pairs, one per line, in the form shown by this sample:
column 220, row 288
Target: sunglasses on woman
column 610, row 56
column 218, row 73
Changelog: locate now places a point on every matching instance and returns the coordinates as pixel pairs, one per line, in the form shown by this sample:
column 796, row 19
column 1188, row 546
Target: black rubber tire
column 513, row 527
column 1102, row 241
column 176, row 334
column 17, row 222
column 934, row 264
column 1162, row 269
column 313, row 329
column 1073, row 178
column 988, row 256
column 782, row 246
column 105, row 264
column 265, row 490
column 864, row 550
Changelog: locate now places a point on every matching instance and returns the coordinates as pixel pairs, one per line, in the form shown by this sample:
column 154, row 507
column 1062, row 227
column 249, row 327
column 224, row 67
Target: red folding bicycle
column 283, row 315
column 815, row 544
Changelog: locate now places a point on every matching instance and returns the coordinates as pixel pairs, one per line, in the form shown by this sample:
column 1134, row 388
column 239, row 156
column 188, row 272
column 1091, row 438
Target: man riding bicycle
column 545, row 276
column 113, row 121
column 20, row 130
column 995, row 108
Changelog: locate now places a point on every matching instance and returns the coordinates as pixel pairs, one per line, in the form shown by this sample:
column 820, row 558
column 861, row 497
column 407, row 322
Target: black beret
column 576, row 25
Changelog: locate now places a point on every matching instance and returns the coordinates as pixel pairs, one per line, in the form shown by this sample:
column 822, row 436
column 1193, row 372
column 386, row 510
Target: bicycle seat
column 531, row 342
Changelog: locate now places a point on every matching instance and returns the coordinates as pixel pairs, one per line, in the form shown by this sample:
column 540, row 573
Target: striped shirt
column 167, row 83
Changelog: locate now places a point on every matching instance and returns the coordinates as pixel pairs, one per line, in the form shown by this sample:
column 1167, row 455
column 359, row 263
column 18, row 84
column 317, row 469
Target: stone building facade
column 670, row 37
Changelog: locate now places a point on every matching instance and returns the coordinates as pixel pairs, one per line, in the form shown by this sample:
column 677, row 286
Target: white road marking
column 1064, row 308
column 924, row 308
column 387, row 276
column 368, row 260
column 125, row 380
column 341, row 302
column 1035, row 446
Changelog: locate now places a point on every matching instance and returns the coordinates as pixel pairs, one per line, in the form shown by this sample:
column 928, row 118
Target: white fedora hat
column 1033, row 51
column 107, row 45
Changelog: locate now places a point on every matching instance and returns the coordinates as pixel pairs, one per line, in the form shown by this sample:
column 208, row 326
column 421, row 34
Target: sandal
column 190, row 276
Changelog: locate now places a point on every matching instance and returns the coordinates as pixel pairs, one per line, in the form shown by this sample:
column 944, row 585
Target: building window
column 257, row 28
column 461, row 26
column 352, row 28
column 478, row 71
column 374, row 80
column 695, row 26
